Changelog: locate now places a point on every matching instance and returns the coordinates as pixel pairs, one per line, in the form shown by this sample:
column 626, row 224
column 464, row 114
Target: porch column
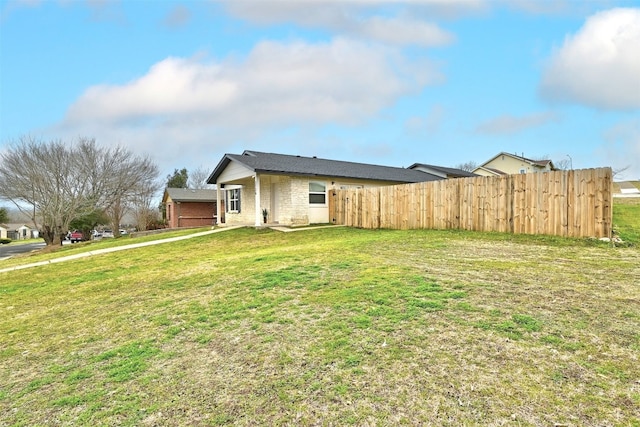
column 218, row 207
column 258, row 209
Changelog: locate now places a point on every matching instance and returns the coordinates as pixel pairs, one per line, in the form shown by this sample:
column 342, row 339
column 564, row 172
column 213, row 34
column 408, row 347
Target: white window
column 232, row 202
column 317, row 193
column 523, row 171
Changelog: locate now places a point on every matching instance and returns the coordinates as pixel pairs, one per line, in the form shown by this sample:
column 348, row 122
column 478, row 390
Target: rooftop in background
column 189, row 195
column 442, row 171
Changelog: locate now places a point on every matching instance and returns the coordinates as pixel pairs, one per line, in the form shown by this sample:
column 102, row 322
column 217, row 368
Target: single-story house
column 293, row 190
column 187, row 207
column 19, row 231
column 509, row 164
column 443, row 172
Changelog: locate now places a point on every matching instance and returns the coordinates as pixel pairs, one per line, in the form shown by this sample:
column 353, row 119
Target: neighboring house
column 442, row 172
column 294, row 190
column 185, row 207
column 509, row 164
column 20, row 231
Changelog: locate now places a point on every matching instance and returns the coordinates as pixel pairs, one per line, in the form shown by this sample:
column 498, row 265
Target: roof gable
column 282, row 164
column 541, row 163
column 16, row 225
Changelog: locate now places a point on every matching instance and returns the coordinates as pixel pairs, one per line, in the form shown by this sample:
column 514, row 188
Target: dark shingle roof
column 190, row 195
column 447, row 171
column 281, row 164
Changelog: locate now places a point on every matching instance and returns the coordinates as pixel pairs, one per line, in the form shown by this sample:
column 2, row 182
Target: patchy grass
column 626, row 219
column 327, row 326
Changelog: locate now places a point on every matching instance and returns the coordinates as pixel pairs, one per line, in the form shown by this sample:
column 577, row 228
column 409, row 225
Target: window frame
column 232, row 197
column 317, row 193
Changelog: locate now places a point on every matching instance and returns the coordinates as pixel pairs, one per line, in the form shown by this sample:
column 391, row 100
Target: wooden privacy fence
column 575, row 203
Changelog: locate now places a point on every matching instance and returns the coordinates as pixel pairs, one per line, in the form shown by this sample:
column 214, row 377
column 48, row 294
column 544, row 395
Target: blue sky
column 386, row 82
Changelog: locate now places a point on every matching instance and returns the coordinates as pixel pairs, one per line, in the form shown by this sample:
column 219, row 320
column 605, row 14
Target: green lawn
column 330, row 326
column 626, row 219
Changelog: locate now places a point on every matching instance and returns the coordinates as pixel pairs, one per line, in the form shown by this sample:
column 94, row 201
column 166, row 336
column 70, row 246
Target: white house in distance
column 509, row 164
column 18, row 231
column 293, row 190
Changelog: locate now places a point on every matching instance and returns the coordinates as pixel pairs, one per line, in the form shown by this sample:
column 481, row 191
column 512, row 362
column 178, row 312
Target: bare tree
column 143, row 211
column 563, row 164
column 198, row 178
column 41, row 179
column 130, row 178
column 60, row 183
column 467, row 166
column 619, row 172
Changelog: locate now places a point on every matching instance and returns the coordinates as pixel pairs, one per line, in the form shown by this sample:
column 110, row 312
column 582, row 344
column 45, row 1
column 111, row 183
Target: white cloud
column 600, row 65
column 392, row 22
column 198, row 105
column 173, row 86
column 508, row 124
column 402, row 31
column 341, row 81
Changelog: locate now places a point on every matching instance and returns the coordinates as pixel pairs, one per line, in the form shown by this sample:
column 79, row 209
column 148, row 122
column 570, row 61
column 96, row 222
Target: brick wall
column 191, row 214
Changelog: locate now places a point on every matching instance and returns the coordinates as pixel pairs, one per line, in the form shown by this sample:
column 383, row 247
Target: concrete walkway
column 116, row 249
column 143, row 244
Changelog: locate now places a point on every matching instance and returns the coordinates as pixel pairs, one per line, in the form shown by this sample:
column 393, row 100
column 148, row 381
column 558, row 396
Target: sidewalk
column 115, row 249
column 151, row 243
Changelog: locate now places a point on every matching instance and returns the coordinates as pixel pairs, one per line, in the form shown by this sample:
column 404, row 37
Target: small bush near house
column 5, row 241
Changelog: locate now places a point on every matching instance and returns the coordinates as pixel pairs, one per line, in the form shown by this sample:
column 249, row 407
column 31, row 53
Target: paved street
column 7, row 251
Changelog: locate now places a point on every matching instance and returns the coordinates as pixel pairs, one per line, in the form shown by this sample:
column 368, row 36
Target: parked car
column 75, row 236
column 107, row 233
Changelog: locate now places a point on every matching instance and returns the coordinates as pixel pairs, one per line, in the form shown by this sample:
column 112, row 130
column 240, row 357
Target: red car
column 76, row 236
